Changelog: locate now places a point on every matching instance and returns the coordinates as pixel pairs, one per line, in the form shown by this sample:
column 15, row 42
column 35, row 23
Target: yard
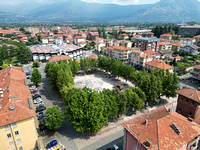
column 100, row 80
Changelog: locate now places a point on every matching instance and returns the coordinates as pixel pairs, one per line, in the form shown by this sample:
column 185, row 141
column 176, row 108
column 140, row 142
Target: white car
column 37, row 101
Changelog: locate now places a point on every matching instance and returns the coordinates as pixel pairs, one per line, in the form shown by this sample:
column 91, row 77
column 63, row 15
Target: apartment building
column 166, row 36
column 147, row 43
column 161, row 129
column 120, row 53
column 138, row 58
column 195, row 73
column 188, row 30
column 188, row 104
column 158, row 64
column 17, row 124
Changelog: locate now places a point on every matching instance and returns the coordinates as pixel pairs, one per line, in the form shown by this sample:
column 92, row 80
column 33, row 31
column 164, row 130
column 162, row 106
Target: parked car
column 40, row 108
column 28, row 75
column 36, row 96
column 40, row 113
column 33, row 87
column 42, row 116
column 57, row 148
column 37, row 101
column 33, row 91
column 51, row 144
column 115, row 147
column 42, row 127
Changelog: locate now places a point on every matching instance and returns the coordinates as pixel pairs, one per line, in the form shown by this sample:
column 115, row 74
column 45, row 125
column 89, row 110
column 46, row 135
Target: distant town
column 104, row 87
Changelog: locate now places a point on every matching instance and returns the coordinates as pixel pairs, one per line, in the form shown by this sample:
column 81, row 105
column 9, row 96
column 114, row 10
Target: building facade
column 17, row 125
column 147, row 43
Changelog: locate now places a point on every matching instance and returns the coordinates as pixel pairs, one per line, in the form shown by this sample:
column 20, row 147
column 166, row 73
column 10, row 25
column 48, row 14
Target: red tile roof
column 159, row 64
column 118, row 48
column 165, row 43
column 136, row 36
column 137, row 51
column 198, row 36
column 177, row 44
column 166, row 35
column 158, row 129
column 79, row 37
column 59, row 57
column 15, row 93
column 93, row 57
column 190, row 93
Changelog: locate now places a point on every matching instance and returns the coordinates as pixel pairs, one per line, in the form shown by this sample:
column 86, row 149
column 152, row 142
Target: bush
column 36, row 64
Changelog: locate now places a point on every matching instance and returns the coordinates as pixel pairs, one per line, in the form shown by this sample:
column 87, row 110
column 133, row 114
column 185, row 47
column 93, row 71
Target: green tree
column 75, row 66
column 36, row 77
column 4, row 66
column 55, row 117
column 36, row 64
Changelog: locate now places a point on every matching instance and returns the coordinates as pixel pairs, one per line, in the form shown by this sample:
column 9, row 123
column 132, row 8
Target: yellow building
column 17, row 124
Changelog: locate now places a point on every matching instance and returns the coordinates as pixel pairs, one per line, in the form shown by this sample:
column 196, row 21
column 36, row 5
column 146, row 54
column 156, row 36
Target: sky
column 119, row 2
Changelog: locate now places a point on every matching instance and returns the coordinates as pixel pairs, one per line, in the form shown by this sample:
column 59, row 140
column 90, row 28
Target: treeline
column 88, row 64
column 88, row 111
column 155, row 84
column 12, row 52
column 160, row 29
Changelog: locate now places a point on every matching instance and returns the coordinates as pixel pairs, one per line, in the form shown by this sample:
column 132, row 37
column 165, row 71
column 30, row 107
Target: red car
column 34, row 91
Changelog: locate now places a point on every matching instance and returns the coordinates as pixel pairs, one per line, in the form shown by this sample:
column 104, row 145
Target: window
column 11, row 143
column 6, row 127
column 192, row 103
column 18, row 141
column 187, row 101
column 182, row 98
column 14, row 125
column 138, row 143
column 179, row 110
column 16, row 132
column 9, row 135
column 190, row 114
column 21, row 148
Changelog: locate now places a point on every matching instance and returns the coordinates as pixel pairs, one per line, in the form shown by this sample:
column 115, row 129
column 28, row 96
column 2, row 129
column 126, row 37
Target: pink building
column 161, row 129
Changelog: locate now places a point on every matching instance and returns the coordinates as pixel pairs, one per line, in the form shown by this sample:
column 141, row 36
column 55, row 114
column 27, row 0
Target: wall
column 132, row 143
column 186, row 107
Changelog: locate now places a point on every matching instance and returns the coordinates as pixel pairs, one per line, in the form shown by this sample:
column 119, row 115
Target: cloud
column 122, row 2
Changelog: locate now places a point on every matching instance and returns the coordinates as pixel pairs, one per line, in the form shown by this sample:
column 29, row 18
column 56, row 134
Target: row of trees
column 155, row 84
column 116, row 67
column 88, row 64
column 60, row 75
column 88, row 111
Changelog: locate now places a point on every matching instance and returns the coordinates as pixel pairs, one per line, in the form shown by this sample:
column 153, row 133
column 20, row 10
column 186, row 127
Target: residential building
column 99, row 40
column 58, row 58
column 158, row 64
column 191, row 49
column 166, row 36
column 188, row 30
column 120, row 53
column 93, row 35
column 79, row 39
column 165, row 46
column 188, row 104
column 166, row 54
column 82, row 44
column 17, row 125
column 138, row 58
column 147, row 34
column 161, row 129
column 123, row 36
column 147, row 43
column 187, row 41
column 176, row 46
column 22, row 38
column 34, row 30
column 125, row 43
column 100, row 45
column 4, row 32
column 195, row 73
column 197, row 39
column 135, row 37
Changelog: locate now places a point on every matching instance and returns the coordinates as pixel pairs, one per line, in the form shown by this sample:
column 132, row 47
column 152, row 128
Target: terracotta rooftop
column 118, row 48
column 177, row 44
column 79, row 37
column 190, row 93
column 93, row 57
column 14, row 93
column 166, row 35
column 159, row 64
column 198, row 36
column 165, row 43
column 156, row 127
column 137, row 51
column 59, row 57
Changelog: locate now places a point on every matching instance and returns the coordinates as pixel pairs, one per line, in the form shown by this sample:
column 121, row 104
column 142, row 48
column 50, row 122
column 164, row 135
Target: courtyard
column 100, row 80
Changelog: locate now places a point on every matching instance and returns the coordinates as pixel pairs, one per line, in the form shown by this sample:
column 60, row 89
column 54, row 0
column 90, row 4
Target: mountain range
column 79, row 11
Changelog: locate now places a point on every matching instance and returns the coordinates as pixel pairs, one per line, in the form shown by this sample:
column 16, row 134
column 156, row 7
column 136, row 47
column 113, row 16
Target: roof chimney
column 145, row 122
column 12, row 107
column 148, row 143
